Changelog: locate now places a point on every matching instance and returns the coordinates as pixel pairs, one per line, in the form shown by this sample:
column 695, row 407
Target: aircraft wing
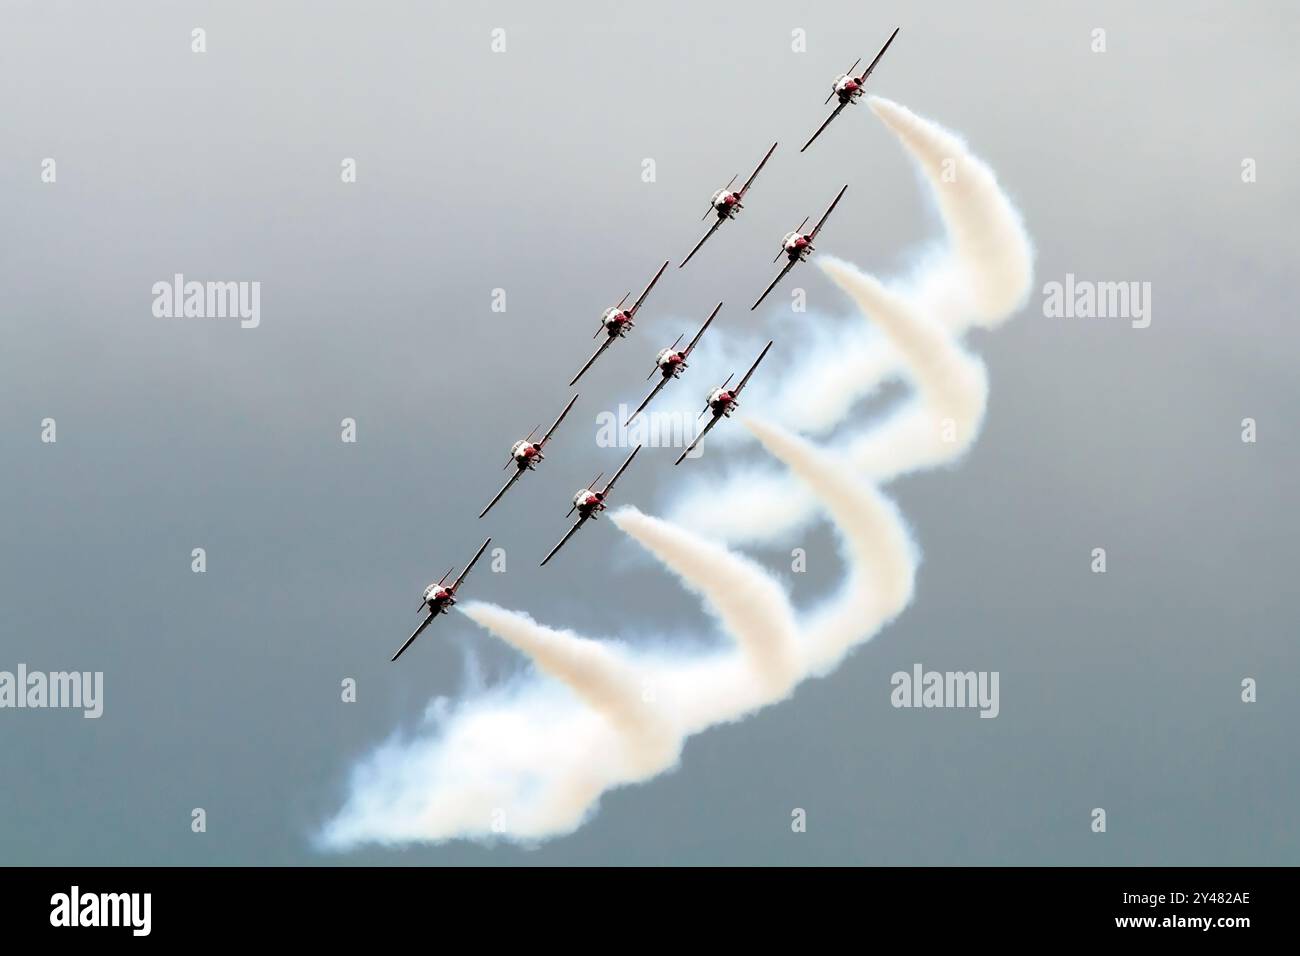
column 641, row 298
column 483, row 547
column 411, row 639
column 621, row 468
column 504, row 489
column 863, row 78
column 691, row 344
column 834, row 113
column 567, row 535
column 781, row 275
column 663, row 380
column 822, row 221
column 751, row 369
column 754, row 175
column 551, row 431
column 603, row 345
column 712, row 229
column 700, row 437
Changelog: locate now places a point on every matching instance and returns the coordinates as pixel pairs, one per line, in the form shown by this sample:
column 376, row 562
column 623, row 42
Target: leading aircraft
column 849, row 87
column 589, row 503
column 722, row 402
column 797, row 245
column 440, row 596
column 725, row 204
column 526, row 453
column 670, row 363
column 615, row 322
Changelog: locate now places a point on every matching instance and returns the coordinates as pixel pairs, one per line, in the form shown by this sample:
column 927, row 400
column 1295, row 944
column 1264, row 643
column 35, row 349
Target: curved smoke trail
column 529, row 760
column 981, row 277
column 938, row 425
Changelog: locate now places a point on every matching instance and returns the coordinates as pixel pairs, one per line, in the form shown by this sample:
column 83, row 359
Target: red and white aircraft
column 797, row 245
column 725, row 204
column 589, row 503
column 670, row 363
column 526, row 453
column 849, row 87
column 722, row 402
column 616, row 320
column 440, row 596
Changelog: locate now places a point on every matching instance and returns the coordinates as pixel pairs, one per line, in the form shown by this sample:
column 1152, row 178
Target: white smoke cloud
column 938, row 425
column 982, row 276
column 529, row 760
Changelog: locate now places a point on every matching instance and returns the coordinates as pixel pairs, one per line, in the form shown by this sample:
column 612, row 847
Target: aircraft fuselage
column 847, row 88
column 588, row 502
column 721, row 401
column 439, row 598
column 796, row 245
column 526, row 454
column 616, row 321
column 671, row 362
column 726, row 203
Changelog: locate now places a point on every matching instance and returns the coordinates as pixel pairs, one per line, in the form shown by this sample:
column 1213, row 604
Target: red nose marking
column 801, row 242
column 530, row 451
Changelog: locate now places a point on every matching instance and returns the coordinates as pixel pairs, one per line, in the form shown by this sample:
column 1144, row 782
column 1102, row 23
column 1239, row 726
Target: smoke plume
column 529, row 760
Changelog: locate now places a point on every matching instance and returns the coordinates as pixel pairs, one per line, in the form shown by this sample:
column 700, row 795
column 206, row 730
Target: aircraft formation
column 615, row 323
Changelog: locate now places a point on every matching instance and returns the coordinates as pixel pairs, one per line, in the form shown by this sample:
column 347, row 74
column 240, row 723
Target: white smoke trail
column 622, row 715
column 530, row 760
column 750, row 604
column 596, row 671
column 987, row 274
column 882, row 559
column 939, row 425
column 983, row 276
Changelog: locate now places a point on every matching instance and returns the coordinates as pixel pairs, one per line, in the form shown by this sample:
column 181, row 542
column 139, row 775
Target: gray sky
column 522, row 171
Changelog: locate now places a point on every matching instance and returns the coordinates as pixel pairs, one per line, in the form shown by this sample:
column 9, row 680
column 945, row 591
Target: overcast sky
column 522, row 171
